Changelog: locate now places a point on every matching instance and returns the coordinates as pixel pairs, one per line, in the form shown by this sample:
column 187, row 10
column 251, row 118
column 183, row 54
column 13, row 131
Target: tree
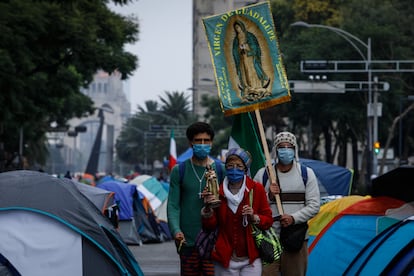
column 342, row 118
column 49, row 51
column 176, row 105
column 135, row 144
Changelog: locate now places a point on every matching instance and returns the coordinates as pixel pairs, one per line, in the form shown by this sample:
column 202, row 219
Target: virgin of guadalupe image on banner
column 247, row 63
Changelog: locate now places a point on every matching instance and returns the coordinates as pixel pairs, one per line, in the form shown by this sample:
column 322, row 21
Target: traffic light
column 377, row 147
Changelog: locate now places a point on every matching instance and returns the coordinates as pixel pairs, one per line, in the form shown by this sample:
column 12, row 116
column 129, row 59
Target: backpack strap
column 181, row 170
column 265, row 177
column 219, row 170
column 303, row 169
column 304, row 174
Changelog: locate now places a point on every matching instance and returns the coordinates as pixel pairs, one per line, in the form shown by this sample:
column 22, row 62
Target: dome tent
column 46, row 221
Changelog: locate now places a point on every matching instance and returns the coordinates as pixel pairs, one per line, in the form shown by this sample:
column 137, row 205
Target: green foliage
column 334, row 117
column 133, row 145
column 174, row 109
column 49, row 50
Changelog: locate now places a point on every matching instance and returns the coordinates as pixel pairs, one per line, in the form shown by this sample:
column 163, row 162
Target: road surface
column 157, row 259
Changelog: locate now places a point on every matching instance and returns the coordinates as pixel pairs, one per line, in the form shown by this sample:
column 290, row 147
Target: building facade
column 71, row 150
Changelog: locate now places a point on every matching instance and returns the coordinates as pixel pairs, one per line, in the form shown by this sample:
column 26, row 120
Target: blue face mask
column 234, row 175
column 201, row 151
column 285, row 155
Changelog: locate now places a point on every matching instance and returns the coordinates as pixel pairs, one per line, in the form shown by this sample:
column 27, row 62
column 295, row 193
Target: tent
column 157, row 196
column 391, row 252
column 346, row 234
column 102, row 199
column 137, row 222
column 88, row 179
column 395, row 183
column 48, row 227
column 124, row 195
column 152, row 189
column 328, row 211
column 333, row 179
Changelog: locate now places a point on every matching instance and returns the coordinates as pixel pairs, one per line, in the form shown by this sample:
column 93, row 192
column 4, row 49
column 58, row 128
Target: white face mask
column 286, row 155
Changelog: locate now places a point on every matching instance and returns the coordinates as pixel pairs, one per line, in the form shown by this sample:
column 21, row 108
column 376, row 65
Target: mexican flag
column 173, row 151
column 244, row 135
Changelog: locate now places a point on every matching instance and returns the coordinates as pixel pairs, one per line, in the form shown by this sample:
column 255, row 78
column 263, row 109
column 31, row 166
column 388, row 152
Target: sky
column 164, row 49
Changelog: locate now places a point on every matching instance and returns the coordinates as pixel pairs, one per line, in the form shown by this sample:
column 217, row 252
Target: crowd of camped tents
column 96, row 221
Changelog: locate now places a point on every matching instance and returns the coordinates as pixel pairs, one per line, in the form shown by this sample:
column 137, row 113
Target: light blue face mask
column 201, row 151
column 286, row 155
column 234, row 175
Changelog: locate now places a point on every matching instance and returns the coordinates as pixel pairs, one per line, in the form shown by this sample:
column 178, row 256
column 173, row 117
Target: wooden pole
column 269, row 167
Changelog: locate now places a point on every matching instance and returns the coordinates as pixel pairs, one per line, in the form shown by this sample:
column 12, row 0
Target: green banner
column 247, row 63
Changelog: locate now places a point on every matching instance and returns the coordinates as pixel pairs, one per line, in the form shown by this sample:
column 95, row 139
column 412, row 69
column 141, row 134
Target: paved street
column 157, row 259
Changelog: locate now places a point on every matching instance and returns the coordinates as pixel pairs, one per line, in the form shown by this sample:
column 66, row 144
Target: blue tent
column 333, row 179
column 389, row 253
column 124, row 195
column 346, row 234
column 136, row 226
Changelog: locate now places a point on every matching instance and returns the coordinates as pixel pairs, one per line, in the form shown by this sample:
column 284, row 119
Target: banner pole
column 269, row 167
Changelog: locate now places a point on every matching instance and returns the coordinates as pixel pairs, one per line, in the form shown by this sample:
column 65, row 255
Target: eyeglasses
column 236, row 166
column 201, row 140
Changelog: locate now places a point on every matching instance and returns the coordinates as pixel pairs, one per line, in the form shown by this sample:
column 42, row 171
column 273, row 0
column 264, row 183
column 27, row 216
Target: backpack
column 302, row 168
column 181, row 170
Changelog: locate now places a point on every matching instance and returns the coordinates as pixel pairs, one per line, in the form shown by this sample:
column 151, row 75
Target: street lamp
column 372, row 126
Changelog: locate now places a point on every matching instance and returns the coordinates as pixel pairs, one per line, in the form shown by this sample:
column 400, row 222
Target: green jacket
column 184, row 202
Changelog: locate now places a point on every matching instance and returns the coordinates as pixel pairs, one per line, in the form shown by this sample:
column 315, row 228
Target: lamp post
column 371, row 108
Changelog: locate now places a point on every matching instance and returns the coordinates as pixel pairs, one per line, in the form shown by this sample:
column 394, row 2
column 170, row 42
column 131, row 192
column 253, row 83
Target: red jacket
column 229, row 223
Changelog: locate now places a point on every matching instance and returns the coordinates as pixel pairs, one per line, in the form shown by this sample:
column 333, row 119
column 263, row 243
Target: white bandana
column 233, row 201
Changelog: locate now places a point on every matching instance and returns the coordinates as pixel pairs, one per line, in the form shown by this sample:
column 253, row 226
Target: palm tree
column 145, row 136
column 176, row 105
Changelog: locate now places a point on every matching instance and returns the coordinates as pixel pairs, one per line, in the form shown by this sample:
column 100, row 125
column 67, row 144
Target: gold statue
column 212, row 186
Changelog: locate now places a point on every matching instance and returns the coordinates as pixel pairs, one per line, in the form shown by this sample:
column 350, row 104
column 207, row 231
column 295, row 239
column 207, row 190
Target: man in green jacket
column 185, row 202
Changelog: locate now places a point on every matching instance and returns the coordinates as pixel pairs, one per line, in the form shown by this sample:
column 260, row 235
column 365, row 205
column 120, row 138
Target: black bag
column 293, row 236
column 205, row 242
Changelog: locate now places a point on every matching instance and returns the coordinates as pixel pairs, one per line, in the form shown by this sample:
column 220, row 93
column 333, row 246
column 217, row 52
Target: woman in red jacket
column 235, row 252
